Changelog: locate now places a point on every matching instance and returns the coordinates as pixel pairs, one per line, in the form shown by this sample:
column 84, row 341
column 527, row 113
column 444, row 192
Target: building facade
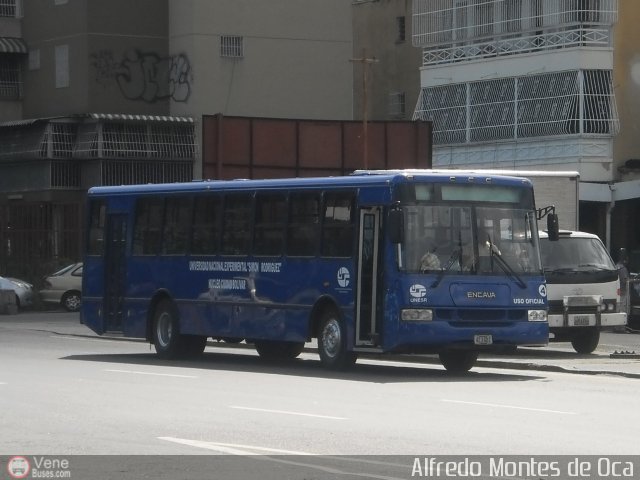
column 102, row 93
column 537, row 85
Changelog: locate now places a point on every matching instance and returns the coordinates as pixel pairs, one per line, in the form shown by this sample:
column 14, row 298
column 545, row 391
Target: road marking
column 249, row 450
column 285, row 412
column 514, row 407
column 3, row 383
column 135, row 372
column 233, row 448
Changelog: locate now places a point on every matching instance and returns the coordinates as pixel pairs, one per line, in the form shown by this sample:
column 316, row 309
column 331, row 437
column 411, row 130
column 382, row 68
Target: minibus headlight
column 416, row 315
column 537, row 315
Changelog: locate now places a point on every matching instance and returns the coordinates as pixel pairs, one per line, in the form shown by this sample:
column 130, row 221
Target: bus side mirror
column 552, row 227
column 396, row 225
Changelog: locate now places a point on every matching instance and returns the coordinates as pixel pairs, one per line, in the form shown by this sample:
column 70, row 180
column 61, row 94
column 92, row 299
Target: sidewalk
column 557, row 357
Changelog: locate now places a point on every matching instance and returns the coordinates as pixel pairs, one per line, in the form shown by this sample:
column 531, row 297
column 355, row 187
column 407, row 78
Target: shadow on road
column 303, row 367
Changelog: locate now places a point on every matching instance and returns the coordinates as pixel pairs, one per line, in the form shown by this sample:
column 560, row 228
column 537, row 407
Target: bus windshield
column 469, row 239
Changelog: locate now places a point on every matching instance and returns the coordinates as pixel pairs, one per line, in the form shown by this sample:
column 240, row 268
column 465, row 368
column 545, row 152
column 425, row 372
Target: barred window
column 231, row 46
column 397, row 104
column 401, row 29
column 10, row 79
column 8, row 8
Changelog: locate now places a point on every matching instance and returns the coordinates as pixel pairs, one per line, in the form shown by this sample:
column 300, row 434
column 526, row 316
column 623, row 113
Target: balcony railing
column 446, row 22
column 509, row 46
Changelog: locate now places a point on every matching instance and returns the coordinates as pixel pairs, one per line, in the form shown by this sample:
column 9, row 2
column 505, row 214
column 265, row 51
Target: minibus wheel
column 332, row 342
column 458, row 361
column 586, row 340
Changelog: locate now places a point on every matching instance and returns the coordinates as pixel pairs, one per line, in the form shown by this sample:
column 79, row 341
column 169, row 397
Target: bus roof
column 359, row 178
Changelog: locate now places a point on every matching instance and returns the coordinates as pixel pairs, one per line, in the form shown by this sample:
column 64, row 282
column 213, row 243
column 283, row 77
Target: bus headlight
column 537, row 315
column 416, row 315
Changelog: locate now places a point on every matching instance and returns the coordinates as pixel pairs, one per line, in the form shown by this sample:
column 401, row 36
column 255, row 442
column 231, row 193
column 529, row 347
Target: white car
column 64, row 287
column 22, row 289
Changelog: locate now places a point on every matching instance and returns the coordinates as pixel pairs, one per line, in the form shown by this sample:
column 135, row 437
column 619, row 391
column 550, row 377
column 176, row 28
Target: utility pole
column 365, row 69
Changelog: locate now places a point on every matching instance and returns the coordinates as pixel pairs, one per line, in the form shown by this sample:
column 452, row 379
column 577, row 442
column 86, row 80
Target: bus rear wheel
column 167, row 339
column 586, row 341
column 332, row 343
column 274, row 350
column 458, row 361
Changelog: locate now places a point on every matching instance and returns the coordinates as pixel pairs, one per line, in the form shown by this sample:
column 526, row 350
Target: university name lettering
column 219, row 266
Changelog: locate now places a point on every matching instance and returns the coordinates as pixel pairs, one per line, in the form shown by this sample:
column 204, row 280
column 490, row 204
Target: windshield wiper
column 506, row 268
column 452, row 259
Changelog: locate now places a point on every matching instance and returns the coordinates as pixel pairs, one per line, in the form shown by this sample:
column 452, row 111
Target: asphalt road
column 67, row 394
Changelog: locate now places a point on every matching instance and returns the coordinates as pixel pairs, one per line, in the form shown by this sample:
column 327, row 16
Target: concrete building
column 101, row 93
column 538, row 85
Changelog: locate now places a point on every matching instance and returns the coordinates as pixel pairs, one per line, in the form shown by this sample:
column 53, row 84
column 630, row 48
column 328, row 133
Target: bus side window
column 176, row 225
column 205, row 233
column 236, row 224
column 147, row 231
column 303, row 233
column 338, row 225
column 271, row 217
column 97, row 211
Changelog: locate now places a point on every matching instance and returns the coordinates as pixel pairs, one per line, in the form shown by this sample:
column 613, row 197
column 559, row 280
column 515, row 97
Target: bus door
column 368, row 297
column 115, row 271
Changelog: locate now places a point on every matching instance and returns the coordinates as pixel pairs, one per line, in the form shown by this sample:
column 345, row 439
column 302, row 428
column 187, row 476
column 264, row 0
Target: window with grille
column 8, row 8
column 401, row 29
column 231, row 46
column 10, row 78
column 562, row 103
column 397, row 104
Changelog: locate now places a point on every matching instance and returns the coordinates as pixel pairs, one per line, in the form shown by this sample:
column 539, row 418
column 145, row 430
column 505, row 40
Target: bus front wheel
column 332, row 343
column 458, row 361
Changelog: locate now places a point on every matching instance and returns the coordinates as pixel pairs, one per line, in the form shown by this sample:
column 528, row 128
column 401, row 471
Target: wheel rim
column 73, row 302
column 164, row 330
column 331, row 338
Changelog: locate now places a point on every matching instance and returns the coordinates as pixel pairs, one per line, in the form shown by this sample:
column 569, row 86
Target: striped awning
column 13, row 45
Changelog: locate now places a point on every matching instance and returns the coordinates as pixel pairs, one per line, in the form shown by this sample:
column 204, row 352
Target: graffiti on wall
column 145, row 76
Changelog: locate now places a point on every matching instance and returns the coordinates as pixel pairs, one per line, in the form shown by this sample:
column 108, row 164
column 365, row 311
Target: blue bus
column 374, row 262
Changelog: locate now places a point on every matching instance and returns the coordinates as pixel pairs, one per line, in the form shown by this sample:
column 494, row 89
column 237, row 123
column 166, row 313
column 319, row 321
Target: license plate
column 581, row 320
column 482, row 339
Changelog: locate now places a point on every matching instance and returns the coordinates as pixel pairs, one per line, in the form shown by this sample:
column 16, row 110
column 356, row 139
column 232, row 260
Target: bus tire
column 458, row 361
column 332, row 342
column 168, row 342
column 586, row 341
column 274, row 350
